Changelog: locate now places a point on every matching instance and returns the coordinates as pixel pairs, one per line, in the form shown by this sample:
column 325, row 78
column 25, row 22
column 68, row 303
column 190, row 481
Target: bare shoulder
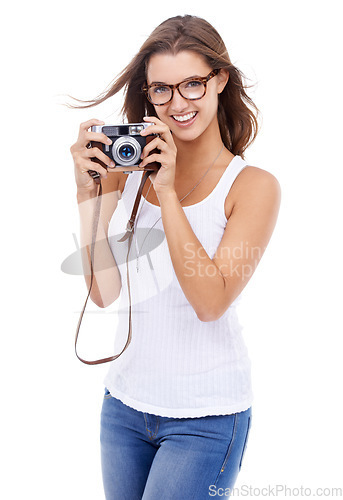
column 253, row 186
column 257, row 178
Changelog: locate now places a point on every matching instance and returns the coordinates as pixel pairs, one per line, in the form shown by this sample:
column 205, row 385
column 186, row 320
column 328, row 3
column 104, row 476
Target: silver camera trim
column 126, row 139
column 99, row 128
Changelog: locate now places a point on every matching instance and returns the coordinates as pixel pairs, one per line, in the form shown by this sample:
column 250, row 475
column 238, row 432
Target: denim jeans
column 149, row 457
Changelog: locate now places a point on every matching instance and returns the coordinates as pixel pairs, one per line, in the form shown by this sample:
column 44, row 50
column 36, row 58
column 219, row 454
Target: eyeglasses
column 191, row 89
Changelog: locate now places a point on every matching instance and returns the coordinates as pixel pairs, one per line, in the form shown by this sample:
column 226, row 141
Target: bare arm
column 211, row 285
column 106, row 280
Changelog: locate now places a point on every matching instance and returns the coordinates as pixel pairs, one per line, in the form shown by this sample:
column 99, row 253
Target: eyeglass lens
column 161, row 94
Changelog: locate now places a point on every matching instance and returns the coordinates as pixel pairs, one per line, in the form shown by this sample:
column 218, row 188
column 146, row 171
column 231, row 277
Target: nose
column 178, row 103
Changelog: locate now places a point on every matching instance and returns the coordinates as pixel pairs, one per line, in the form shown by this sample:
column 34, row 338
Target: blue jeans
column 149, row 457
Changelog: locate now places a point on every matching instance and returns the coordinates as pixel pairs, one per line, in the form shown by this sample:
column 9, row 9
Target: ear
column 223, row 78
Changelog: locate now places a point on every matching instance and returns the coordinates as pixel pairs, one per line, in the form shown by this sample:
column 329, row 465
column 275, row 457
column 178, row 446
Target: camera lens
column 126, row 151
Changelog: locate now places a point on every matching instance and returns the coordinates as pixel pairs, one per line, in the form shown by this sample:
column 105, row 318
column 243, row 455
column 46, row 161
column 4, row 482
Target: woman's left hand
column 163, row 180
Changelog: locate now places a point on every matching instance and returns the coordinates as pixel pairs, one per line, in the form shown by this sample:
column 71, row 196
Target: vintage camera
column 127, row 146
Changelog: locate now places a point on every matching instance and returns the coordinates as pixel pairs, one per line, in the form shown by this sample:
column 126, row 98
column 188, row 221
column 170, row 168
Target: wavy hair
column 237, row 113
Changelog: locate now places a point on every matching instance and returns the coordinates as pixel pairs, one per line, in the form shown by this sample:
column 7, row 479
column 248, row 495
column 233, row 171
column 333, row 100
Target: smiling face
column 187, row 119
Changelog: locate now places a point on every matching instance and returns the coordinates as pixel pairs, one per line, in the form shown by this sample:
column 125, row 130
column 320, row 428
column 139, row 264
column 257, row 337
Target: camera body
column 127, row 146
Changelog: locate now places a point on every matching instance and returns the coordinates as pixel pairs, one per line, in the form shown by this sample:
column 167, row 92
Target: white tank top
column 176, row 365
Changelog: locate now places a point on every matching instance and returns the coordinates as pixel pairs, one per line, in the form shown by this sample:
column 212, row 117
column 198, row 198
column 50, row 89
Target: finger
column 152, row 119
column 162, row 130
column 96, row 137
column 94, row 121
column 151, row 159
column 96, row 153
column 91, row 165
column 156, row 143
column 81, row 141
column 157, row 127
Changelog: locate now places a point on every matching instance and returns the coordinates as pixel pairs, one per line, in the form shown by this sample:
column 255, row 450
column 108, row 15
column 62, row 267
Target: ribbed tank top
column 176, row 365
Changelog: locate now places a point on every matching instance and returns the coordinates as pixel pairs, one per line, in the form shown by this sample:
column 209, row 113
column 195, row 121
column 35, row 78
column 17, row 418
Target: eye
column 159, row 89
column 193, row 84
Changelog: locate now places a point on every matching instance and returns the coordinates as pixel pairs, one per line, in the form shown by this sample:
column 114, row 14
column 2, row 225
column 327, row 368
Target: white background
column 292, row 314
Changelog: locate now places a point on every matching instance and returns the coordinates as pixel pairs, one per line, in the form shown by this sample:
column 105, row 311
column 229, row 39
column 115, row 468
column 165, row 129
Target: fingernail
column 112, row 164
column 109, row 141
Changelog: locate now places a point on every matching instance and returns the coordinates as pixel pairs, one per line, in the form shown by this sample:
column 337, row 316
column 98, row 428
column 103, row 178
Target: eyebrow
column 164, row 83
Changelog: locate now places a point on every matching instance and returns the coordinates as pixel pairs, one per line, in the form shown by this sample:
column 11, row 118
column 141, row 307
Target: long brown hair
column 237, row 113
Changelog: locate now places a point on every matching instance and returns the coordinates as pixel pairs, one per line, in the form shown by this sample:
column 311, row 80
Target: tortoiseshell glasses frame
column 170, row 93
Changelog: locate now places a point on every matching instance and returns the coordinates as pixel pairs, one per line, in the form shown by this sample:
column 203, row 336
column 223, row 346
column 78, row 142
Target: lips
column 185, row 118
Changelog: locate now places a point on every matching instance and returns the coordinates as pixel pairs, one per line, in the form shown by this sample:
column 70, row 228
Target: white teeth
column 184, row 118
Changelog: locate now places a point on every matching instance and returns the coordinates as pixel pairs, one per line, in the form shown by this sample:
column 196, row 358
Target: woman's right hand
column 82, row 156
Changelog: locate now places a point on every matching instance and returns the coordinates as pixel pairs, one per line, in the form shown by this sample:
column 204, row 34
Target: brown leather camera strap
column 128, row 235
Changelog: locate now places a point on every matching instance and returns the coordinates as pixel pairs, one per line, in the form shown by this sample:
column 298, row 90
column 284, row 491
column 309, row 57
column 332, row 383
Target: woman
column 177, row 406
